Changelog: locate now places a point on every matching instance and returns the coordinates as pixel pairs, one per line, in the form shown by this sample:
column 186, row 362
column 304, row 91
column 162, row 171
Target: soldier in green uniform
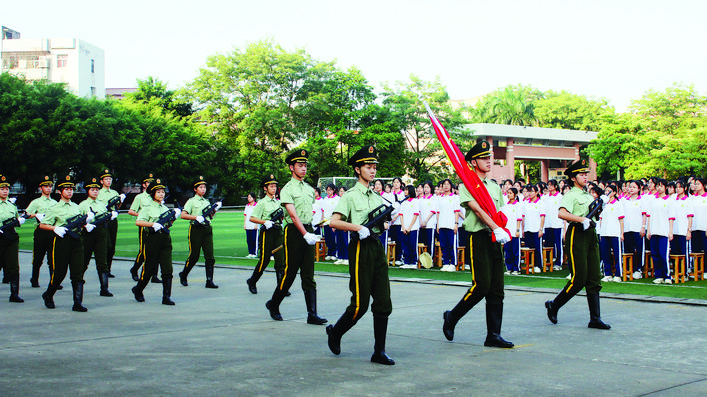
column 582, row 247
column 67, row 245
column 201, row 236
column 297, row 198
column 270, row 234
column 486, row 255
column 368, row 267
column 158, row 243
column 106, row 194
column 141, row 200
column 95, row 237
column 37, row 209
column 10, row 240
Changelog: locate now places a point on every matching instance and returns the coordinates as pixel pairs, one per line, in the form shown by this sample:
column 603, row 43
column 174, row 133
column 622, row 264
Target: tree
column 511, row 105
column 572, row 112
column 153, row 91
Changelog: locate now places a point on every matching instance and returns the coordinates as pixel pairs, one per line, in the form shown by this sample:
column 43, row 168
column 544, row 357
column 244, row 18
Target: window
column 62, row 60
column 93, row 66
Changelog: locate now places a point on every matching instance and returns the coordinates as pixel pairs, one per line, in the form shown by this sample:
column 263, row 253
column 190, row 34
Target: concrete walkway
column 223, row 343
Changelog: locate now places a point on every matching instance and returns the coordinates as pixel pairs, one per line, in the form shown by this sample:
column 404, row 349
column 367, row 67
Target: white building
column 72, row 61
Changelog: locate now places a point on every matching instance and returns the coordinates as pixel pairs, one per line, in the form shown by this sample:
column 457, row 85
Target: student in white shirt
column 317, row 211
column 611, row 225
column 553, row 223
column 660, row 232
column 328, row 204
column 533, row 223
column 511, row 249
column 398, row 195
column 251, row 229
column 409, row 220
column 682, row 227
column 447, row 221
column 379, row 188
column 635, row 226
column 428, row 217
column 699, row 222
column 342, row 239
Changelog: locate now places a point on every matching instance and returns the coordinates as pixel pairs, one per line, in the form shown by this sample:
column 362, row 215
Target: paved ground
column 223, row 343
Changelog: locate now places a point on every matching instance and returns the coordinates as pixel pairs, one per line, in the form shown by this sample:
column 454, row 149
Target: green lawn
column 230, row 249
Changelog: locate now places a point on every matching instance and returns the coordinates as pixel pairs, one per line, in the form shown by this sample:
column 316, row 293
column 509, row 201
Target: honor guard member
column 106, row 194
column 95, row 235
column 10, row 240
column 368, row 266
column 487, row 266
column 66, row 221
column 37, row 209
column 201, row 235
column 141, row 200
column 582, row 247
column 297, row 198
column 270, row 234
column 157, row 243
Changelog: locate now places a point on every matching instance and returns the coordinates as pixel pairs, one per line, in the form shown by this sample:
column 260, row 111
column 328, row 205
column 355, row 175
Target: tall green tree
column 572, row 112
column 512, row 105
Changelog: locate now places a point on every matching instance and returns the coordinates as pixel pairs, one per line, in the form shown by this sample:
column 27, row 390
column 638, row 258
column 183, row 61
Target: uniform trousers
column 96, row 243
column 342, row 241
column 679, row 245
column 112, row 237
column 299, row 256
column 427, row 236
column 553, row 239
column 582, row 247
column 698, row 241
column 41, row 247
column 446, row 245
column 394, row 232
column 140, row 259
column 158, row 252
column 251, row 236
column 533, row 240
column 9, row 254
column 409, row 243
column 201, row 238
column 633, row 244
column 330, row 239
column 660, row 255
column 511, row 251
column 611, row 255
column 270, row 239
column 66, row 254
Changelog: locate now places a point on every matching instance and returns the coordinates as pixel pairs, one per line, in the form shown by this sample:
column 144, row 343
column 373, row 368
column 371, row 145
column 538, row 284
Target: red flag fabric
column 472, row 182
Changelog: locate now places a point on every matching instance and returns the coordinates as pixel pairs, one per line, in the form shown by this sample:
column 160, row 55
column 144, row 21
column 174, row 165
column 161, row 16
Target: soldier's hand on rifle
column 268, row 224
column 122, row 197
column 90, row 217
column 310, row 238
column 21, row 220
column 60, row 231
column 157, row 226
column 177, row 212
column 363, row 233
column 199, row 219
column 586, row 223
column 13, row 200
column 90, row 227
column 218, row 205
column 113, row 215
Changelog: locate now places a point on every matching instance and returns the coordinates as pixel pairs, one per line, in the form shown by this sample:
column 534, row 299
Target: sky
column 616, row 49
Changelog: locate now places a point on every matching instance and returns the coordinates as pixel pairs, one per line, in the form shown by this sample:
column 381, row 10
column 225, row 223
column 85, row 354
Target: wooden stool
column 460, row 257
column 698, row 266
column 391, row 253
column 680, row 268
column 648, row 266
column 547, row 258
column 319, row 250
column 420, row 249
column 528, row 255
column 627, row 267
column 438, row 255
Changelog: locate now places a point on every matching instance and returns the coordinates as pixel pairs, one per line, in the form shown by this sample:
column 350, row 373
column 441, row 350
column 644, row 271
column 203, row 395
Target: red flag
column 472, row 182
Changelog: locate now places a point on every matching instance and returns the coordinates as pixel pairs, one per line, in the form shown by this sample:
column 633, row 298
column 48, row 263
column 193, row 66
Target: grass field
column 230, row 249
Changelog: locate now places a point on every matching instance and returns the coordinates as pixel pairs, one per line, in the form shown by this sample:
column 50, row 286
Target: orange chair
column 547, row 259
column 391, row 253
column 319, row 250
column 648, row 267
column 680, row 268
column 460, row 257
column 528, row 255
column 698, row 266
column 627, row 267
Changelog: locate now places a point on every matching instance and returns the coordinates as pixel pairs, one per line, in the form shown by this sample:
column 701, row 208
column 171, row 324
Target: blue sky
column 603, row 49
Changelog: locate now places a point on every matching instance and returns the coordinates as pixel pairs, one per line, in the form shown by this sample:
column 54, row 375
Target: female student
column 409, row 215
column 251, row 229
column 514, row 214
column 659, row 226
column 611, row 224
column 533, row 223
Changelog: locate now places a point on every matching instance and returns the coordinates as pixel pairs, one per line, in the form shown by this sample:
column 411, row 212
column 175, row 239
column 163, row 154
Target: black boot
column 15, row 289
column 210, row 277
column 251, row 286
column 156, row 279
column 34, row 280
column 380, row 329
column 279, row 276
column 274, row 309
column 335, row 332
column 594, row 313
column 133, row 272
column 77, row 286
column 137, row 290
column 167, row 291
column 494, row 317
column 183, row 277
column 48, row 297
column 451, row 317
column 310, row 298
column 448, row 325
column 103, row 279
column 554, row 305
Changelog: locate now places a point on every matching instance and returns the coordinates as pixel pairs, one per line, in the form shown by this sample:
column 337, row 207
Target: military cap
column 365, row 155
column 577, row 167
column 67, row 181
column 298, row 156
column 148, row 178
column 4, row 182
column 269, row 179
column 46, row 180
column 155, row 185
column 91, row 182
column 199, row 181
column 480, row 150
column 106, row 173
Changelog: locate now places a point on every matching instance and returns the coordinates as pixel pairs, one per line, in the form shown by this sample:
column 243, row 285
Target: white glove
column 218, row 205
column 90, row 217
column 586, row 223
column 177, row 213
column 21, row 220
column 363, row 233
column 60, row 231
column 199, row 219
column 122, row 197
column 113, row 215
column 90, row 227
column 39, row 217
column 310, row 238
column 1, row 232
column 12, row 200
column 268, row 225
column 501, row 235
column 157, row 226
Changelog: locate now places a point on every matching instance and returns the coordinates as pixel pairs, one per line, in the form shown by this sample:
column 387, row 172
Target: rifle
column 9, row 225
column 210, row 211
column 166, row 219
column 74, row 225
column 377, row 217
column 113, row 204
column 102, row 218
column 595, row 209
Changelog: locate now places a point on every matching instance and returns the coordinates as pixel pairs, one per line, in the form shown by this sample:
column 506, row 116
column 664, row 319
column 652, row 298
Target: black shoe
column 105, row 292
column 111, row 275
column 382, row 358
column 79, row 308
column 251, row 287
column 34, row 283
column 48, row 301
column 16, row 299
column 60, row 287
column 138, row 294
column 156, row 279
column 274, row 312
column 334, row 340
column 167, row 301
column 551, row 312
column 15, row 290
column 448, row 326
column 183, row 279
column 497, row 341
column 133, row 273
column 598, row 324
column 316, row 320
column 210, row 284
